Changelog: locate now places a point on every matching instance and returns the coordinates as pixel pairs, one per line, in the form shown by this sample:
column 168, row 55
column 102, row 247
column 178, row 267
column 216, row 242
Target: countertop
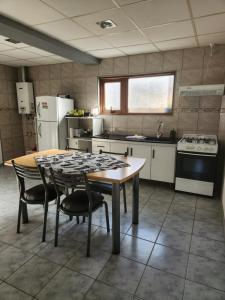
column 148, row 139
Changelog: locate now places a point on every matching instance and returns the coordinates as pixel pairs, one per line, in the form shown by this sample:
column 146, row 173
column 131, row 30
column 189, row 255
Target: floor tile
column 157, row 206
column 8, row 292
column 145, row 230
column 122, row 273
column 178, row 223
column 78, row 232
column 185, row 200
column 3, row 246
column 206, row 271
column 209, row 216
column 62, row 253
column 209, row 204
column 158, row 285
column 136, row 249
column 168, row 259
column 208, row 230
column 101, row 291
column 11, row 259
column 154, row 217
column 33, row 275
column 90, row 266
column 182, row 211
column 209, row 248
column 175, row 239
column 195, row 291
column 66, row 285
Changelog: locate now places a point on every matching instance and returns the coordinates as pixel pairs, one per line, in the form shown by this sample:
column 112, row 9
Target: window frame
column 124, row 93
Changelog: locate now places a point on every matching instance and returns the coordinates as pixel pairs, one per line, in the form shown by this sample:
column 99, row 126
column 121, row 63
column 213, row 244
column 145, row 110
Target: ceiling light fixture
column 12, row 41
column 106, row 24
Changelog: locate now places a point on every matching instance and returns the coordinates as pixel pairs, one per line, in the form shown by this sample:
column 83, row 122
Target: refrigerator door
column 46, row 108
column 47, row 135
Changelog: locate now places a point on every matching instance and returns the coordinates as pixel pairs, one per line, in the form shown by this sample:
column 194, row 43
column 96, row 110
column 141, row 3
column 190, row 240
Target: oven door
column 196, row 166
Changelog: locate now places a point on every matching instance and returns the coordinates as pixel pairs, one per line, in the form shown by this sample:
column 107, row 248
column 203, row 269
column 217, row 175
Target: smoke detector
column 106, row 24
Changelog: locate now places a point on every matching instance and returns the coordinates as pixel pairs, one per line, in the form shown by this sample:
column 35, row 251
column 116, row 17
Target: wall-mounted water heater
column 25, row 97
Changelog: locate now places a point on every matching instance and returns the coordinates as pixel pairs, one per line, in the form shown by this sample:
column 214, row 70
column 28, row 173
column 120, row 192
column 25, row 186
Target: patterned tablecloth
column 77, row 162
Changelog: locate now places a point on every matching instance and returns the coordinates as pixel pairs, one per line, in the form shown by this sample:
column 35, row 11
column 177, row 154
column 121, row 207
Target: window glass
column 153, row 94
column 112, row 95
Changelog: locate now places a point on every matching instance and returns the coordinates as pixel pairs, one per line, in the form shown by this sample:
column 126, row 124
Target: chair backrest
column 26, row 172
column 77, row 149
column 125, row 154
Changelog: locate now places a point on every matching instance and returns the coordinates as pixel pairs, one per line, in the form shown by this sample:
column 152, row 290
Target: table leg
column 116, row 218
column 24, row 213
column 135, row 208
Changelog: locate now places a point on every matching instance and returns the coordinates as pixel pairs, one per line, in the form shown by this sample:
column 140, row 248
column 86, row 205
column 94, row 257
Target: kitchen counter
column 148, row 139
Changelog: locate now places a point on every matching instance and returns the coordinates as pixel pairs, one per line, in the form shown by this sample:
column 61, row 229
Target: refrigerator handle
column 39, row 129
column 38, row 109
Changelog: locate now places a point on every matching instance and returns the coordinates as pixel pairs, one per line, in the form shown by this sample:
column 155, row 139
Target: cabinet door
column 100, row 145
column 118, row 147
column 142, row 151
column 47, row 135
column 163, row 163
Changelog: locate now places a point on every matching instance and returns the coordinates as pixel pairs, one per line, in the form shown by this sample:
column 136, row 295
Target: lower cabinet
column 142, row 151
column 163, row 163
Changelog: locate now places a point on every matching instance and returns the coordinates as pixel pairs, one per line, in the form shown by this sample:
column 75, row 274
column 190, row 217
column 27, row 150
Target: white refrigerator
column 51, row 123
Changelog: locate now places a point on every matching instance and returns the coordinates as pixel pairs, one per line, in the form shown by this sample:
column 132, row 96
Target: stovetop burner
column 198, row 143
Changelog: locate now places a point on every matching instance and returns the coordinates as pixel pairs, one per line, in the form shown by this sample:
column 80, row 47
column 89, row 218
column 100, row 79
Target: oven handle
column 197, row 154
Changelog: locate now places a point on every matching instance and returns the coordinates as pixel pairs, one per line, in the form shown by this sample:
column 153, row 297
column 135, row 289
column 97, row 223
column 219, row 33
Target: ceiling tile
column 138, row 49
column 150, row 13
column 4, row 47
column 45, row 60
column 210, row 24
column 18, row 63
column 37, row 51
column 93, row 43
column 170, row 31
column 214, row 38
column 3, row 41
column 30, row 12
column 126, row 2
column 21, row 54
column 64, row 30
column 60, row 58
column 106, row 53
column 116, row 15
column 128, row 38
column 73, row 8
column 207, row 7
column 4, row 58
column 177, row 44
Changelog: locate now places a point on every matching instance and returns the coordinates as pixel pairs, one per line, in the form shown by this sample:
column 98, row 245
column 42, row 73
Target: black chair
column 81, row 202
column 106, row 188
column 40, row 194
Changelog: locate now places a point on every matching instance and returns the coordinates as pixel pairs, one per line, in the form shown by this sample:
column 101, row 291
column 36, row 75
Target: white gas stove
column 196, row 164
column 198, row 143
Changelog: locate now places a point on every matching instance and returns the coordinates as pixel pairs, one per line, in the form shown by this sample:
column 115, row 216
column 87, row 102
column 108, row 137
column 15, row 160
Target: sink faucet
column 159, row 130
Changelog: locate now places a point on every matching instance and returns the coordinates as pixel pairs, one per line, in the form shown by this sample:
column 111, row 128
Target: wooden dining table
column 115, row 177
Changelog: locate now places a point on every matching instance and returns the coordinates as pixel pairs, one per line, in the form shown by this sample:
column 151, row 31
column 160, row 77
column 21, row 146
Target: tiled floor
column 176, row 252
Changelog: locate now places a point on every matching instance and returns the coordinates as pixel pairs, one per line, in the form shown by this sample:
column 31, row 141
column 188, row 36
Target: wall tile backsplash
column 192, row 66
column 11, row 131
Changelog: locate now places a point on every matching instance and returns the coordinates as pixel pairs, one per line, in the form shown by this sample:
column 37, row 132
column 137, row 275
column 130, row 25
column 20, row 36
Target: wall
column 10, row 121
column 190, row 114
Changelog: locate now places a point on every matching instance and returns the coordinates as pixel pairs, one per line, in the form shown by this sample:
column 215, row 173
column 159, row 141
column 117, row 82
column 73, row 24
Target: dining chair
column 106, row 188
column 40, row 194
column 81, row 202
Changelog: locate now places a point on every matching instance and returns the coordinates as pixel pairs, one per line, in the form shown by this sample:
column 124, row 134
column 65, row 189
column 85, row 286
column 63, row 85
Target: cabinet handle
column 100, row 146
column 131, row 151
column 153, row 153
column 39, row 129
column 127, row 150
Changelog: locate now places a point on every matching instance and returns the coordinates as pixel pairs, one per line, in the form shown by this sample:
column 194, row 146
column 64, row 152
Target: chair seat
column 77, row 202
column 36, row 194
column 102, row 187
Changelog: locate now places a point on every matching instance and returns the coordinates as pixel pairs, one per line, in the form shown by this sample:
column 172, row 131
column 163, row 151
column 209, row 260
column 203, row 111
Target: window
column 149, row 94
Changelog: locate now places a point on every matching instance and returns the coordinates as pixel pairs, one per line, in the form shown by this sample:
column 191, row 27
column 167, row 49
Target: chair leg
column 56, row 228
column 83, row 219
column 124, row 198
column 107, row 216
column 71, row 218
column 78, row 220
column 19, row 217
column 45, row 221
column 89, row 235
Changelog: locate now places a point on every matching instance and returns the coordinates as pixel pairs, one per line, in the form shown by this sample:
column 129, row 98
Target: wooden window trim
column 124, row 93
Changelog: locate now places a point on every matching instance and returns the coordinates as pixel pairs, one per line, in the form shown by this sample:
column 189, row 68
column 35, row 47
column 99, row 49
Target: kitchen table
column 115, row 177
